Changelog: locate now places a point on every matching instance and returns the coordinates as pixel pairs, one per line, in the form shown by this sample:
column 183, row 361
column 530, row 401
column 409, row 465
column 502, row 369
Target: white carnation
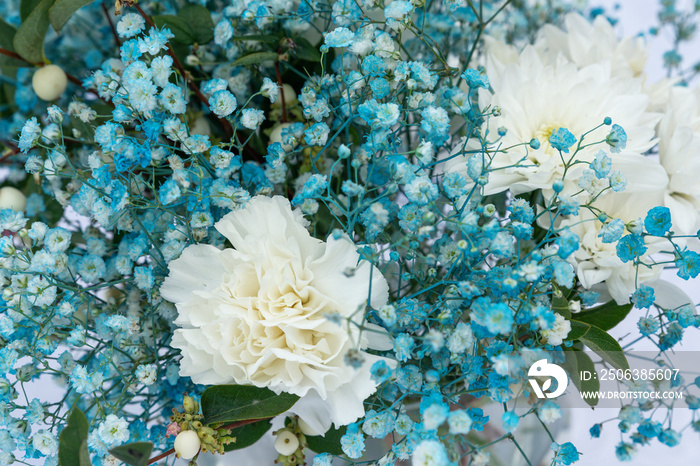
column 255, row 315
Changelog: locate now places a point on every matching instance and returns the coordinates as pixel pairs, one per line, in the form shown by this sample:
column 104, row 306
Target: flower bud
column 12, row 198
column 49, row 82
column 286, row 442
column 187, row 444
column 190, row 405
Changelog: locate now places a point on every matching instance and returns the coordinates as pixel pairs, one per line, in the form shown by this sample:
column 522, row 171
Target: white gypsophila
column 549, row 412
column 257, row 314
column 45, row 442
column 481, row 458
column 559, row 331
column 679, row 154
column 596, row 262
column 113, row 430
column 537, row 97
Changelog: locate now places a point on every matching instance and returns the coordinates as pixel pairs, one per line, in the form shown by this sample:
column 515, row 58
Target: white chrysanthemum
column 256, row 314
column 536, row 98
column 597, row 262
column 585, row 43
column 679, row 154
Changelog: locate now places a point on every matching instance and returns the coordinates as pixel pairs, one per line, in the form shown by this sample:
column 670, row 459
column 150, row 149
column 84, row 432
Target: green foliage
column 191, row 25
column 134, row 454
column 606, row 347
column 248, row 434
column 605, row 316
column 560, row 304
column 72, row 443
column 576, row 362
column 29, row 39
column 304, row 50
column 62, row 10
column 328, row 442
column 200, row 22
column 578, row 329
column 231, row 403
column 255, row 58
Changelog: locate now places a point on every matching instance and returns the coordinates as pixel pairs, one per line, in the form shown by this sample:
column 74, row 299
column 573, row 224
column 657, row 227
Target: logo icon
column 544, row 369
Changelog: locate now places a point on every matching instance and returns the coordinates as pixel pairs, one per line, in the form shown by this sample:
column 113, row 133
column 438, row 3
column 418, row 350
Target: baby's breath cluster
column 387, row 212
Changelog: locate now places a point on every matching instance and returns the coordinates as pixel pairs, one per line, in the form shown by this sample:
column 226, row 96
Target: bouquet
column 378, row 232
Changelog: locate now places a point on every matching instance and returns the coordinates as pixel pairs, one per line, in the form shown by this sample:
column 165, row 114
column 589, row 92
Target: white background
column 638, row 16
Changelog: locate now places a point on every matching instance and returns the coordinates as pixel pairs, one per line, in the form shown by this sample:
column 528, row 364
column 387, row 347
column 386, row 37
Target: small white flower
column 559, row 331
column 45, row 442
column 113, row 430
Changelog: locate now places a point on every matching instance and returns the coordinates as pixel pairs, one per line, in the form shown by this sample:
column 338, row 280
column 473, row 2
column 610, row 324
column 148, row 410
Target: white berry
column 276, row 136
column 286, row 443
column 49, row 82
column 12, row 198
column 290, row 95
column 187, row 444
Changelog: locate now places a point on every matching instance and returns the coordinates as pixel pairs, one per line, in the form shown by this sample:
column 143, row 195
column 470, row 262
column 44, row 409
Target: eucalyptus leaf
column 605, row 316
column 328, row 442
column 305, row 50
column 26, row 7
column 73, row 439
column 578, row 329
column 560, row 304
column 248, row 434
column 577, row 362
column 7, row 35
column 255, row 58
column 62, row 10
column 201, row 24
column 178, row 26
column 257, row 38
column 29, row 39
column 605, row 346
column 231, row 403
column 134, row 454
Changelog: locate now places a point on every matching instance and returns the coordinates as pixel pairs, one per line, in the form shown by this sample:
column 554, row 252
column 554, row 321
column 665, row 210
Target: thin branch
column 111, row 26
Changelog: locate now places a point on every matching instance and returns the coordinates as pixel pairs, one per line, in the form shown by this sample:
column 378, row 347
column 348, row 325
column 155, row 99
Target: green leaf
column 84, row 454
column 577, row 362
column 578, row 329
column 134, row 454
column 178, row 26
column 29, row 39
column 72, row 443
column 248, row 434
column 560, row 304
column 257, row 38
column 606, row 347
column 255, row 58
column 605, row 316
column 26, row 7
column 328, row 442
column 305, row 50
column 201, row 24
column 7, row 35
column 62, row 10
column 231, row 403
